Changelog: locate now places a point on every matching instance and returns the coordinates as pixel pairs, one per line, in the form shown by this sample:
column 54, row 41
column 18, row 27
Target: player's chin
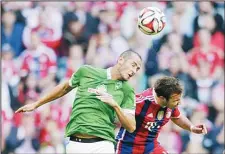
column 172, row 107
column 126, row 77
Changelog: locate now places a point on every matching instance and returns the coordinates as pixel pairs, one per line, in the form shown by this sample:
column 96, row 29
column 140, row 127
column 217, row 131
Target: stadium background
column 43, row 43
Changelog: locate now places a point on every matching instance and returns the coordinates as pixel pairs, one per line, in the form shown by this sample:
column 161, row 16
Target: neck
column 115, row 73
column 161, row 103
column 158, row 100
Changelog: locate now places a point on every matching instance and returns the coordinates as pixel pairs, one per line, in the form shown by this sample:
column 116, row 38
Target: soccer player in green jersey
column 102, row 95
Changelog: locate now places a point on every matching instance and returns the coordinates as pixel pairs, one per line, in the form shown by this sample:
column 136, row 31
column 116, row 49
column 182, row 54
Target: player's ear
column 163, row 99
column 120, row 60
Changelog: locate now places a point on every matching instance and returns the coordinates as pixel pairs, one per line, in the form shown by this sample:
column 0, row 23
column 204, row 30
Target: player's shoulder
column 127, row 86
column 84, row 68
column 91, row 68
column 145, row 93
column 88, row 69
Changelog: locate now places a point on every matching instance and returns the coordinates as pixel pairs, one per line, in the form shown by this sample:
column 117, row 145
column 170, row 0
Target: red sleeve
column 175, row 113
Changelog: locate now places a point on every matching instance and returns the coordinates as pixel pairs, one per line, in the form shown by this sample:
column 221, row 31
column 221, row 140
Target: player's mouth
column 176, row 106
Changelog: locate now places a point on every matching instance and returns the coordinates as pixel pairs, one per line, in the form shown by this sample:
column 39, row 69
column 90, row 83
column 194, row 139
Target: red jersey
column 150, row 118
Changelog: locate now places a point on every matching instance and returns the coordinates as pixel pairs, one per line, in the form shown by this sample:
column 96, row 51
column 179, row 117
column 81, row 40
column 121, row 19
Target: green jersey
column 90, row 115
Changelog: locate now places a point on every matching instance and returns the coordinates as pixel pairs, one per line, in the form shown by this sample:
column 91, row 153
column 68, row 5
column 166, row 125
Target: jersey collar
column 109, row 76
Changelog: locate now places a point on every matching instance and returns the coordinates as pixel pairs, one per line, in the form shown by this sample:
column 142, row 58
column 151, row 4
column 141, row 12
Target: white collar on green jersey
column 109, row 76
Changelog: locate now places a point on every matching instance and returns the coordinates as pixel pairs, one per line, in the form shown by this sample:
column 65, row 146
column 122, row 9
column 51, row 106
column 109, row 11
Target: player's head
column 169, row 91
column 129, row 63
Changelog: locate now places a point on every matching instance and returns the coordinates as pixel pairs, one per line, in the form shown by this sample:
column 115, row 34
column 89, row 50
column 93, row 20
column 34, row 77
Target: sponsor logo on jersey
column 151, row 126
column 160, row 115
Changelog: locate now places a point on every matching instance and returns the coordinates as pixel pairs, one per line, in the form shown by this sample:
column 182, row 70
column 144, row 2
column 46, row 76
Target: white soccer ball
column 151, row 20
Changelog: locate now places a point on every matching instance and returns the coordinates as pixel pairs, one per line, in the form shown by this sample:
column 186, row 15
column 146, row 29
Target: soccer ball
column 151, row 20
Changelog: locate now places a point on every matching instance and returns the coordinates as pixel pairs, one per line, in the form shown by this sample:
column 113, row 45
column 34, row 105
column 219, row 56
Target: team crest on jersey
column 118, row 85
column 102, row 88
column 160, row 115
column 168, row 114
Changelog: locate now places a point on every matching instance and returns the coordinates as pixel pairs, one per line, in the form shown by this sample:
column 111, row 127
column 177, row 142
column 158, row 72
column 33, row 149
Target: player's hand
column 27, row 108
column 199, row 129
column 106, row 98
column 101, row 93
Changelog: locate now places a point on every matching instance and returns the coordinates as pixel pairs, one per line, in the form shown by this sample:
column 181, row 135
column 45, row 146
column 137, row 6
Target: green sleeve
column 129, row 100
column 75, row 78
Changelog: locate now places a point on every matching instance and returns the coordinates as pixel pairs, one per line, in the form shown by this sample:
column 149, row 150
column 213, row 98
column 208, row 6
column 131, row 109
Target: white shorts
column 104, row 146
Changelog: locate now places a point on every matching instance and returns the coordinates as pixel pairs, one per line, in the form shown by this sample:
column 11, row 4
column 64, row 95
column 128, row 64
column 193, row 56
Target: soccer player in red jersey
column 154, row 108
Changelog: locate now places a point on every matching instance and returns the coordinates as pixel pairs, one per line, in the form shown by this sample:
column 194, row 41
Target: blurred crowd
column 43, row 43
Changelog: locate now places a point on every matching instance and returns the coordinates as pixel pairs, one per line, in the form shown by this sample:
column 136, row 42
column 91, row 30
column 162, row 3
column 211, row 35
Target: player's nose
column 134, row 71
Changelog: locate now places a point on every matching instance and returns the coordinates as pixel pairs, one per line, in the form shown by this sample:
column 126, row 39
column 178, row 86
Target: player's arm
column 57, row 92
column 126, row 119
column 183, row 122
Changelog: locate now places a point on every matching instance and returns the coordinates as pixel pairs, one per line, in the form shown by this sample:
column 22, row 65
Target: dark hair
column 126, row 54
column 166, row 86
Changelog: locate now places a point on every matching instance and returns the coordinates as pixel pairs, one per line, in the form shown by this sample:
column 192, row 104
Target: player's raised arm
column 57, row 92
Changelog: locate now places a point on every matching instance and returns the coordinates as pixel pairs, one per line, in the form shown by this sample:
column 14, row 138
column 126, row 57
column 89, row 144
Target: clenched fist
column 199, row 129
